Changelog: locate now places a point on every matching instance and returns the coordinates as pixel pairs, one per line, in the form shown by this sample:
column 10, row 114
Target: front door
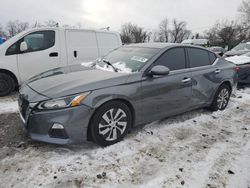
column 43, row 53
column 170, row 94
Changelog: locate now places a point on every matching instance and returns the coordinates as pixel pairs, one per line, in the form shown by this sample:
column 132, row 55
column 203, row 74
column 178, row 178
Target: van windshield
column 127, row 59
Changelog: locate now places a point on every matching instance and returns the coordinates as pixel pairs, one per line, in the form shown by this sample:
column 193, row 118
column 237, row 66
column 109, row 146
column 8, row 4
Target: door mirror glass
column 23, row 46
column 159, row 70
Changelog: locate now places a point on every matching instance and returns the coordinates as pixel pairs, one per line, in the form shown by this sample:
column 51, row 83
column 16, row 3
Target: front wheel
column 110, row 123
column 221, row 98
column 7, row 84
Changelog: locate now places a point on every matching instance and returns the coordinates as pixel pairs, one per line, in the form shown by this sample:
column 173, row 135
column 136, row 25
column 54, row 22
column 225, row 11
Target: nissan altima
column 103, row 100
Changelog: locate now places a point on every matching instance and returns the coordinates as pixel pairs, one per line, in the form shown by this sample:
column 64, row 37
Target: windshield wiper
column 108, row 63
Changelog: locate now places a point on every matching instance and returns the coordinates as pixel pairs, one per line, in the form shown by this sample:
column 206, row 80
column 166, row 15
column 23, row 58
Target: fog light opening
column 57, row 126
column 57, row 131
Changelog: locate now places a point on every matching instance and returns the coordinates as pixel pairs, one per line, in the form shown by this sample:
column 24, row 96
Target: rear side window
column 198, row 57
column 212, row 57
column 174, row 59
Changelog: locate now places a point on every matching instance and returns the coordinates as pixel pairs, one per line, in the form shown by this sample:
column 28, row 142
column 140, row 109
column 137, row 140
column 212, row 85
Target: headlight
column 65, row 102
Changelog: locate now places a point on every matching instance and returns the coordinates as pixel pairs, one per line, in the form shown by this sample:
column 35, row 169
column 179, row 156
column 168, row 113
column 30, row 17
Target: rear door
column 43, row 53
column 205, row 75
column 170, row 94
column 107, row 42
column 81, row 46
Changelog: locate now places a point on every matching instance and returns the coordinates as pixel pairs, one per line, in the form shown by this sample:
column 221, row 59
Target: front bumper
column 75, row 121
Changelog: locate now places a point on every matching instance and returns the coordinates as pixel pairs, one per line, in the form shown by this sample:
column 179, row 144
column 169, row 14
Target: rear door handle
column 217, row 71
column 53, row 54
column 186, row 80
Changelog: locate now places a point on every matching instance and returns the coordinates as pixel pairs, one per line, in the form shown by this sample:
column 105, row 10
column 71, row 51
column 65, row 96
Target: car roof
column 161, row 45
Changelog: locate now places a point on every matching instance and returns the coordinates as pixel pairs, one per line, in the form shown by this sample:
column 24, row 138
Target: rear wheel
column 110, row 123
column 221, row 98
column 7, row 84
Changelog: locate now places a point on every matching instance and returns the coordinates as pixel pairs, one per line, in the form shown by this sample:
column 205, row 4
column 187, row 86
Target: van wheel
column 110, row 123
column 221, row 98
column 7, row 84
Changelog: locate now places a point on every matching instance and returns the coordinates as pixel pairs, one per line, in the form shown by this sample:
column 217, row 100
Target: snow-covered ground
column 8, row 104
column 195, row 149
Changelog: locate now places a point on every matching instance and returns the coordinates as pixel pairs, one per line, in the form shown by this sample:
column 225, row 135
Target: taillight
column 237, row 68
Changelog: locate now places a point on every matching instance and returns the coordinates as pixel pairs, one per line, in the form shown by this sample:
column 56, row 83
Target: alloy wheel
column 113, row 124
column 223, row 98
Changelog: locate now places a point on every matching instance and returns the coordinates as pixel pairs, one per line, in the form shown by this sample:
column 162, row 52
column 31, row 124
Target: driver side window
column 37, row 41
column 40, row 40
column 174, row 59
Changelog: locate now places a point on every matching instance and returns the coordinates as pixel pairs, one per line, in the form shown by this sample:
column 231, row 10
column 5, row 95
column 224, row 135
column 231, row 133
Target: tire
column 7, row 84
column 105, row 129
column 221, row 98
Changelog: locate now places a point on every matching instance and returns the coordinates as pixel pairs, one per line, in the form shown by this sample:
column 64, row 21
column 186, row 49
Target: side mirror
column 23, row 46
column 159, row 70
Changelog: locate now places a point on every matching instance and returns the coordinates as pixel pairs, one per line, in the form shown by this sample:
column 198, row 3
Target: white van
column 197, row 42
column 37, row 50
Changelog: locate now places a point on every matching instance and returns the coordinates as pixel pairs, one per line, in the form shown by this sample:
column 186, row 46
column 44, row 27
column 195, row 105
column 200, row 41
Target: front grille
column 24, row 105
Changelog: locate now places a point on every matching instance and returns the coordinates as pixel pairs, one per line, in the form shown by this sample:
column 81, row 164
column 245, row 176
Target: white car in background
column 196, row 42
column 41, row 49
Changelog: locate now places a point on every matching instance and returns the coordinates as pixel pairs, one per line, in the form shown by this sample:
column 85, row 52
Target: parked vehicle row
column 196, row 42
column 41, row 49
column 135, row 84
column 218, row 50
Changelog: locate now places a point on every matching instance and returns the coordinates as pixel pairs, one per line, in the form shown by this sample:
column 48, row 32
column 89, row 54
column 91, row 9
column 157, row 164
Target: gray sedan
column 103, row 100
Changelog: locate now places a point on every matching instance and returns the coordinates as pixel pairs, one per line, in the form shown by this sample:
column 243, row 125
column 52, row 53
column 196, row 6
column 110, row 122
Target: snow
column 88, row 64
column 192, row 150
column 119, row 65
column 239, row 60
column 8, row 105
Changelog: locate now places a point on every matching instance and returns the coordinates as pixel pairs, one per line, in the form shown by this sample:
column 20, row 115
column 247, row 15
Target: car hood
column 233, row 52
column 61, row 82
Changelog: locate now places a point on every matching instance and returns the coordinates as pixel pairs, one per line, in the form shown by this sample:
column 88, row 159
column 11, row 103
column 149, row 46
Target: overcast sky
column 199, row 14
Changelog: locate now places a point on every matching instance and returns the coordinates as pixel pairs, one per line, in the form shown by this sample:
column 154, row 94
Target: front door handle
column 186, row 80
column 53, row 54
column 217, row 71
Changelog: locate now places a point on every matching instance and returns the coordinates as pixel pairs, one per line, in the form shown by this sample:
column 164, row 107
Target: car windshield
column 242, row 46
column 127, row 59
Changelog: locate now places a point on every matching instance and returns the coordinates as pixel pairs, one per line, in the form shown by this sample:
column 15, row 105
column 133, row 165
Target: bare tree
column 245, row 10
column 163, row 31
column 2, row 33
column 131, row 33
column 51, row 23
column 226, row 34
column 15, row 27
column 179, row 31
column 36, row 24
